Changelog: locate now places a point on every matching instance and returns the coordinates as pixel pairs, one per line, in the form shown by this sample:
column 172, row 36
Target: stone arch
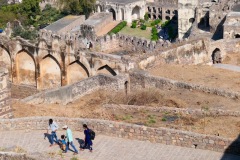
column 237, row 36
column 50, row 73
column 160, row 16
column 191, row 20
column 25, row 66
column 106, row 70
column 99, row 8
column 216, row 56
column 5, row 58
column 122, row 14
column 76, row 71
column 149, row 16
column 168, row 11
column 136, row 12
column 154, row 16
column 113, row 13
column 167, row 18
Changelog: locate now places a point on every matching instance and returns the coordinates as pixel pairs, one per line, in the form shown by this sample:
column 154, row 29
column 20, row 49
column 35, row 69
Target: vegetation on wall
column 24, row 33
column 154, row 34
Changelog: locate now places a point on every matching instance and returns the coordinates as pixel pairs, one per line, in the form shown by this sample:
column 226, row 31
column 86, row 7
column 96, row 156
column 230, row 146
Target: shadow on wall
column 233, row 148
column 218, row 34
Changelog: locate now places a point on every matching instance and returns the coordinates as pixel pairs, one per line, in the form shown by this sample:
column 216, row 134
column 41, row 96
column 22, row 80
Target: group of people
column 67, row 139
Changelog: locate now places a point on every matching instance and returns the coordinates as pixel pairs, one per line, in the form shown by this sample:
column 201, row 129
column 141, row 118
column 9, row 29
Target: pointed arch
column 25, row 66
column 6, row 58
column 106, row 70
column 76, row 71
column 136, row 12
column 50, row 73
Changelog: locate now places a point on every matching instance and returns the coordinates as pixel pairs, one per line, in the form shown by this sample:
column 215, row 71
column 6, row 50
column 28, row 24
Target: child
column 63, row 143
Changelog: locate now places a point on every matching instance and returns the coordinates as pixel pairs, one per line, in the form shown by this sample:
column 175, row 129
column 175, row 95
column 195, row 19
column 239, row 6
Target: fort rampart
column 129, row 131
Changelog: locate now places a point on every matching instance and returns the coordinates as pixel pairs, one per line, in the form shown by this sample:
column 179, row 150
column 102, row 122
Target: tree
column 77, row 6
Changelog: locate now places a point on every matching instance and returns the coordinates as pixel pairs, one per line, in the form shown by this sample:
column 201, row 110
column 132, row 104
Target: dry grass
column 200, row 74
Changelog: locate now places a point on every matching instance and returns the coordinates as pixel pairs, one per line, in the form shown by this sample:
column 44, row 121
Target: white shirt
column 53, row 126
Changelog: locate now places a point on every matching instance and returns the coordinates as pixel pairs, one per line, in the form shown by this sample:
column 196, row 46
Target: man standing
column 69, row 139
column 53, row 127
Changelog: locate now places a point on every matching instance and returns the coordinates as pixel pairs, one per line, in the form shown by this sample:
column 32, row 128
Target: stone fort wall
column 144, row 80
column 72, row 92
column 5, row 95
column 129, row 131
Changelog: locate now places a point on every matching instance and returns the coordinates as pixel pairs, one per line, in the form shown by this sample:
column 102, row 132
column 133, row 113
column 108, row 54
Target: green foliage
column 142, row 20
column 155, row 22
column 154, row 30
column 118, row 28
column 6, row 17
column 155, row 37
column 24, row 33
column 77, row 6
column 164, row 119
column 146, row 17
column 74, row 158
column 165, row 24
column 134, row 24
column 143, row 27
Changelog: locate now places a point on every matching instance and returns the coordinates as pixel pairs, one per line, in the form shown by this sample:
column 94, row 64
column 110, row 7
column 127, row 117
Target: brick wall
column 5, row 95
column 129, row 131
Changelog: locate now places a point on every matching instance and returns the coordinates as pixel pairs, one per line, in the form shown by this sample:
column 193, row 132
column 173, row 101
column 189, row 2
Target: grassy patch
column 136, row 32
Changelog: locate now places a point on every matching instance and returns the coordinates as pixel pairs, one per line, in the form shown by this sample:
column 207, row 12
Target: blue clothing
column 87, row 137
column 52, row 136
column 69, row 135
column 63, row 141
column 74, row 148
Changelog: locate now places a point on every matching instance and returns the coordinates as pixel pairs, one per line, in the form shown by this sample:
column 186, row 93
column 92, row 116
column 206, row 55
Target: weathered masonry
column 5, row 94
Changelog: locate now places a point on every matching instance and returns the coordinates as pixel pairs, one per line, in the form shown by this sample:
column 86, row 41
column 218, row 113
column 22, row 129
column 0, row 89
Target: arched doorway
column 50, row 73
column 122, row 14
column 6, row 60
column 113, row 13
column 237, row 36
column 154, row 16
column 167, row 18
column 25, row 68
column 99, row 8
column 76, row 71
column 106, row 70
column 216, row 56
column 136, row 12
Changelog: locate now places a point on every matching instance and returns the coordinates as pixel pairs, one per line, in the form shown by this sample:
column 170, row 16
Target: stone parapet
column 144, row 80
column 186, row 111
column 129, row 131
column 72, row 92
column 5, row 95
column 14, row 156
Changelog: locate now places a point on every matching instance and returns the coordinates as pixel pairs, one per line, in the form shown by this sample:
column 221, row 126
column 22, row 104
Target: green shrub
column 154, row 37
column 118, row 28
column 165, row 24
column 154, row 30
column 24, row 33
column 142, row 20
column 143, row 27
column 134, row 25
column 146, row 17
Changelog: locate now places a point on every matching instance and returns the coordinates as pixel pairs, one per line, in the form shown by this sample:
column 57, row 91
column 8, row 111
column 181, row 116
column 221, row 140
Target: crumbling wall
column 5, row 95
